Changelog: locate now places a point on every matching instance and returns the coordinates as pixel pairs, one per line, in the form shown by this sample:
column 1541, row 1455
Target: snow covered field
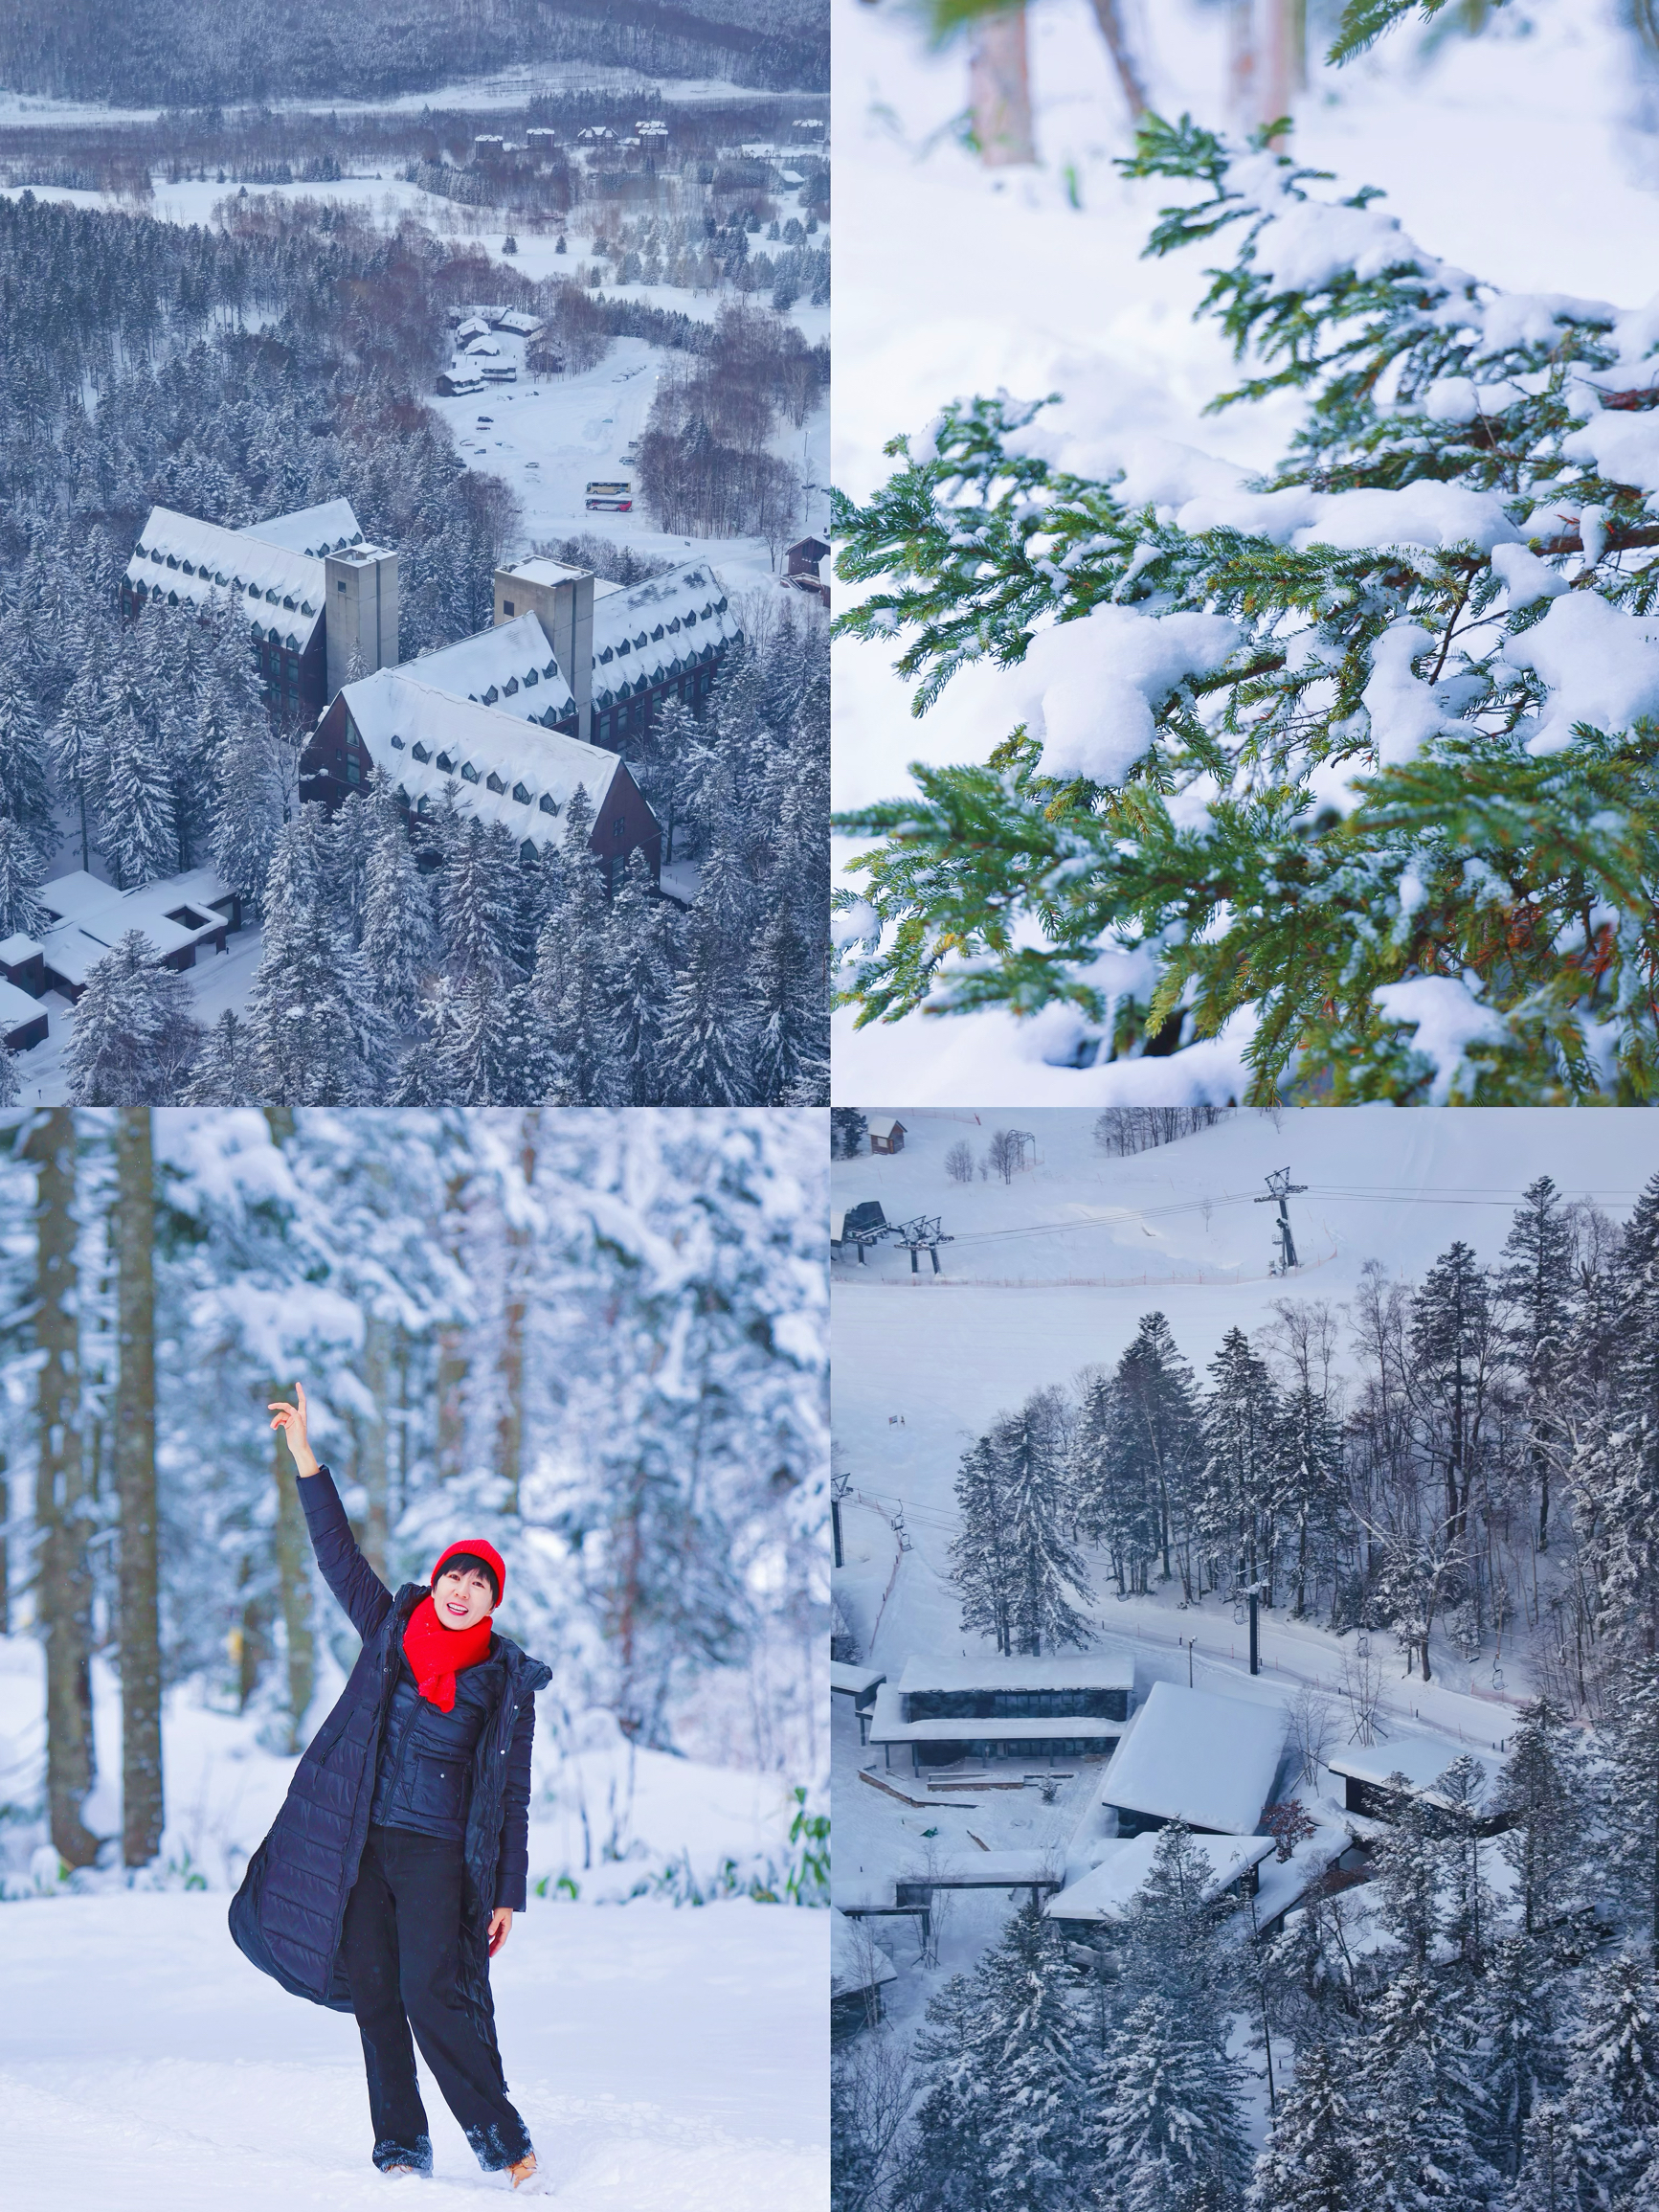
column 666, row 2057
column 954, row 279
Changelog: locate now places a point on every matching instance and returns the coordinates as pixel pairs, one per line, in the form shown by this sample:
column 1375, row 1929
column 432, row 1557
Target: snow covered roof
column 883, row 1124
column 310, row 530
column 1421, row 1759
column 540, row 569
column 16, row 948
column 17, row 1009
column 186, row 560
column 1195, row 1757
column 889, row 1726
column 425, row 740
column 1106, row 1891
column 851, row 1680
column 516, row 322
column 987, row 1673
column 643, row 634
column 857, row 1961
column 92, row 916
column 510, row 667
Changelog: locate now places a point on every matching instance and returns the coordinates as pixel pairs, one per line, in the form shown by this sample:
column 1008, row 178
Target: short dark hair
column 459, row 1562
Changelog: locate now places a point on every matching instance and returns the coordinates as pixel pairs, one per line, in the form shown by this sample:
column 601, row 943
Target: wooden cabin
column 886, row 1133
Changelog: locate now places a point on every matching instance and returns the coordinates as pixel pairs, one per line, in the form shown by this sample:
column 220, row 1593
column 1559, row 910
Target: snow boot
column 528, row 2177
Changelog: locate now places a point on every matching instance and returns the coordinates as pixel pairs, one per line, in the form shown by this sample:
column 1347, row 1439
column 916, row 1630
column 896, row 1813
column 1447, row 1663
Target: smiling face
column 462, row 1595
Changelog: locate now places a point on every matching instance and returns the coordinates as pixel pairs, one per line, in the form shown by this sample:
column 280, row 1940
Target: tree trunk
column 63, row 1606
column 1000, row 90
column 1109, row 14
column 371, row 1455
column 452, row 1359
column 140, row 1684
column 510, row 1424
column 291, row 1544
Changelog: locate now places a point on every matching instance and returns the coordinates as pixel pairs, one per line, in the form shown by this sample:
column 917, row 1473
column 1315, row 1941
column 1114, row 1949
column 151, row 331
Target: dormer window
column 447, row 764
column 657, row 635
column 522, row 793
column 531, row 677
column 397, row 742
column 491, row 696
column 271, row 595
column 606, row 655
column 493, row 782
column 173, row 560
column 624, row 648
column 469, row 774
column 305, row 606
column 675, row 623
column 288, row 602
column 640, row 639
column 510, row 686
column 550, row 804
column 552, row 668
column 422, row 752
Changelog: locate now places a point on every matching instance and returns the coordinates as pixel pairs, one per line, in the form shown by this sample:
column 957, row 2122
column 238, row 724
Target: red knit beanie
column 478, row 1549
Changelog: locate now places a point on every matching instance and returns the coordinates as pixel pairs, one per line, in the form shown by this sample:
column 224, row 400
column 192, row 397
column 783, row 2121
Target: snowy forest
column 598, row 1339
column 192, row 54
column 232, row 377
column 1467, row 1460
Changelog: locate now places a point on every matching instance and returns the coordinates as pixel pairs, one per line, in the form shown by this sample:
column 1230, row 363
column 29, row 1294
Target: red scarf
column 436, row 1654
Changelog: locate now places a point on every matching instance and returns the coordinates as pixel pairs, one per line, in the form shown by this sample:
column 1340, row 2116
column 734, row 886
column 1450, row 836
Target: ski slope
column 1049, row 1275
column 953, row 280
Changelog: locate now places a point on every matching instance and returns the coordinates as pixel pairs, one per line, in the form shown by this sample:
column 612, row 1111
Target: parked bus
column 609, row 498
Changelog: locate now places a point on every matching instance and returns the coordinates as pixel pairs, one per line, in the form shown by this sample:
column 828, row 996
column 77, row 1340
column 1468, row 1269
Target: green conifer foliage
column 1388, row 801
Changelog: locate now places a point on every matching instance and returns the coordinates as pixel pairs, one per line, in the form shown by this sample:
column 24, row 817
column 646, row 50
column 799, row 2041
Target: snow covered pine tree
column 1356, row 763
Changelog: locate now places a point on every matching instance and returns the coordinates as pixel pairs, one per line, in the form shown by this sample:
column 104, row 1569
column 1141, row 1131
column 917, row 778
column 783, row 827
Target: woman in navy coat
column 393, row 1872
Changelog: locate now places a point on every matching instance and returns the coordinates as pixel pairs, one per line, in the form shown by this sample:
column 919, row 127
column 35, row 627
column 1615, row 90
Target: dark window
column 522, row 793
column 620, row 827
column 340, row 587
column 506, row 606
column 354, row 774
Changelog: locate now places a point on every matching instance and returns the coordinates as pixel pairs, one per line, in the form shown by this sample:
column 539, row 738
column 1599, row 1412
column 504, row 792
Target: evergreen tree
column 1142, row 1456
column 477, row 904
column 848, row 1132
column 78, row 745
column 24, row 794
column 791, row 1031
column 1309, row 2162
column 997, row 2124
column 399, row 942
column 1417, row 2089
column 638, row 983
column 1613, row 2076
column 137, row 830
column 134, row 1038
column 980, row 1553
column 1633, row 1798
column 1515, row 2023
column 1046, row 1571
column 1166, row 2113
column 1243, row 1480
column 21, row 872
column 1537, row 1280
column 1542, row 1791
column 1452, row 1351
column 706, row 1044
column 318, row 1037
column 569, row 1010
column 226, row 1072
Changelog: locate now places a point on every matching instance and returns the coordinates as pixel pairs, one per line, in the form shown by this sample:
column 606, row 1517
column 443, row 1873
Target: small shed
column 860, row 1970
column 886, row 1133
column 804, row 556
column 860, row 1684
column 1379, row 1778
column 1208, row 1761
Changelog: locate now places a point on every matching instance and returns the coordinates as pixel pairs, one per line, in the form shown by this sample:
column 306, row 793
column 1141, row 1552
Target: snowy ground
column 951, row 280
column 665, row 2057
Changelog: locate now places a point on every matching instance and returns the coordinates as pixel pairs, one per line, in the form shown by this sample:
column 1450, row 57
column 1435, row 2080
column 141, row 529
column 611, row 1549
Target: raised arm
column 355, row 1583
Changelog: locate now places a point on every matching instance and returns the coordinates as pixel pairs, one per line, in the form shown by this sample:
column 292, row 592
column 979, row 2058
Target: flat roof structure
column 987, row 1672
column 1422, row 1759
column 1209, row 1761
column 1107, row 1892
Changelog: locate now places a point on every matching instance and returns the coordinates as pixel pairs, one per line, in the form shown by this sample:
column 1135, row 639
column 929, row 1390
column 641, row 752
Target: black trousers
column 401, row 1950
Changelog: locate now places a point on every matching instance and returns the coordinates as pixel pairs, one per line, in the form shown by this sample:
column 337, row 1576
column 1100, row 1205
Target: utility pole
column 1280, row 1188
column 840, row 1485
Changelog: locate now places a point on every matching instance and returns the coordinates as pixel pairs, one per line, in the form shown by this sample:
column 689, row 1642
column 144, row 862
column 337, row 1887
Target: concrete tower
column 564, row 600
column 361, row 617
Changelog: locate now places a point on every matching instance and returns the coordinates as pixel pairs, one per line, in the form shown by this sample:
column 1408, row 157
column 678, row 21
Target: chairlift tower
column 923, row 1234
column 1280, row 1188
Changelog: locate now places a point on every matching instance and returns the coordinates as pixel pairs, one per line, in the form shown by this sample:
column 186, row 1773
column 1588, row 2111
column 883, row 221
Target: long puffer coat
column 288, row 1913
